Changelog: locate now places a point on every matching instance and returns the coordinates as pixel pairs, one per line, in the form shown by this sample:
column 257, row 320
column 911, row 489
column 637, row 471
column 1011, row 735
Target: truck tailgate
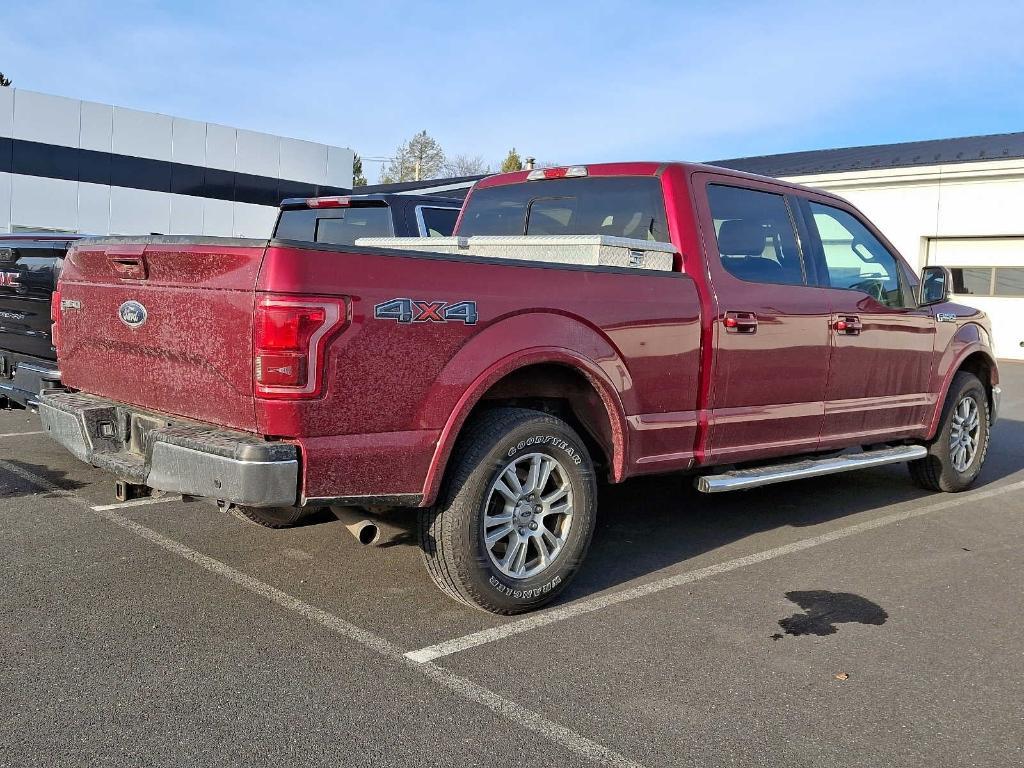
column 163, row 323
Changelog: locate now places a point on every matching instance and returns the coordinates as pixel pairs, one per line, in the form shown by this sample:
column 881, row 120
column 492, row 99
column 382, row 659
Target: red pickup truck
column 785, row 338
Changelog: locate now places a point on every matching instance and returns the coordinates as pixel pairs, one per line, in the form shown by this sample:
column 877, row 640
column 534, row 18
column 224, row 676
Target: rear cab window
column 334, row 226
column 616, row 206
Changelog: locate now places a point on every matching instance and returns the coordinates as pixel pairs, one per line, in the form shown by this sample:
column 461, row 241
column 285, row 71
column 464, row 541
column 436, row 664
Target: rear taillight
column 289, row 340
column 55, row 318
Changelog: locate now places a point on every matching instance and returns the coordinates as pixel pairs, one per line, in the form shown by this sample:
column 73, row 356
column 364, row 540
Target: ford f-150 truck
column 755, row 331
column 30, row 265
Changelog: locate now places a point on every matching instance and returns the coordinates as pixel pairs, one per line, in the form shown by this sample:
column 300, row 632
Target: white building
column 78, row 166
column 954, row 202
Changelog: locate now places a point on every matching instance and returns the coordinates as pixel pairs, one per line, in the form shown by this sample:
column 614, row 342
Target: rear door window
column 335, row 226
column 617, row 206
column 438, row 222
column 756, row 239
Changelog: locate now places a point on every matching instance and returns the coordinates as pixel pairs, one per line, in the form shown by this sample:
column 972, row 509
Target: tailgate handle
column 129, row 267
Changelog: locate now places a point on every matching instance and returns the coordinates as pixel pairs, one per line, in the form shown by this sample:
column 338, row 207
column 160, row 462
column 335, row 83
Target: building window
column 972, row 281
column 21, row 229
column 988, row 281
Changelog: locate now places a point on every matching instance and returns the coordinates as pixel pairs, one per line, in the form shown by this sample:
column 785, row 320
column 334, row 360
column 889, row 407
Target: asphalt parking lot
column 852, row 620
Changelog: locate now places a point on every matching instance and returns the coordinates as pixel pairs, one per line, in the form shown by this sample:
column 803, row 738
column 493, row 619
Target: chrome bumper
column 172, row 455
column 997, row 395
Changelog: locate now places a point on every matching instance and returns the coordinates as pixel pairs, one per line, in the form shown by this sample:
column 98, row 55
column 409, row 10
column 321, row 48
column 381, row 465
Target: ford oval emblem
column 132, row 314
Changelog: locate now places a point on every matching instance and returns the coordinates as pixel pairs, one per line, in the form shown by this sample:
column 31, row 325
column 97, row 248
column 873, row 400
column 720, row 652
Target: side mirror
column 935, row 285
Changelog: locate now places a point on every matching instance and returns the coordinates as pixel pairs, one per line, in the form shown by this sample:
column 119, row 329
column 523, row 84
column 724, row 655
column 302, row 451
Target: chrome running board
column 742, row 479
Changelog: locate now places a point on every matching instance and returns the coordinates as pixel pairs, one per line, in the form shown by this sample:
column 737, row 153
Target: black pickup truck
column 342, row 220
column 30, row 264
column 29, row 267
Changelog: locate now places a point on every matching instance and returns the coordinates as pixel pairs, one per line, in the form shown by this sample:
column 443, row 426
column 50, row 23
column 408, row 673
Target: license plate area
column 139, row 427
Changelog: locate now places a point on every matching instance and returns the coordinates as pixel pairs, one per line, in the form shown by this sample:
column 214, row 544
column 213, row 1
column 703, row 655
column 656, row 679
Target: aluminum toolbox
column 582, row 250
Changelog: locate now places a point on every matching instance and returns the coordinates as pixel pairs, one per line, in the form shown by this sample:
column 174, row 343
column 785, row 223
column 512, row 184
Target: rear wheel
column 957, row 454
column 517, row 514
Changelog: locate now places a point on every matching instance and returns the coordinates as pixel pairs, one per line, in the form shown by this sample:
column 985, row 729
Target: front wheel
column 957, row 453
column 517, row 514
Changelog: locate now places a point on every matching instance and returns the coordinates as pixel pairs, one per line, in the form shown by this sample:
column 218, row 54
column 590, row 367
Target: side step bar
column 741, row 479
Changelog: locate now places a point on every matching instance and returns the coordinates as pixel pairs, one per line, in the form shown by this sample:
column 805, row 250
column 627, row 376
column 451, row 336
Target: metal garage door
column 988, row 273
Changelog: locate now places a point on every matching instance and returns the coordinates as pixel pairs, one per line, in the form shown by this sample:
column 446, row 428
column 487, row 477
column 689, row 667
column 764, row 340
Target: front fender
column 968, row 340
column 497, row 351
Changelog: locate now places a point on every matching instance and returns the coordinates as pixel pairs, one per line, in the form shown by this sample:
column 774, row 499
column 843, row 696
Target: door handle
column 848, row 325
column 740, row 322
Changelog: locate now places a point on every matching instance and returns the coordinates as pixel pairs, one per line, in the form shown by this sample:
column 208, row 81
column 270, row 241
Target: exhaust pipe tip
column 366, row 533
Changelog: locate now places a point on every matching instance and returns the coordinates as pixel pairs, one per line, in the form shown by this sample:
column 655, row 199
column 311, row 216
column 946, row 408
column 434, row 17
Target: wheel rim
column 527, row 515
column 965, row 433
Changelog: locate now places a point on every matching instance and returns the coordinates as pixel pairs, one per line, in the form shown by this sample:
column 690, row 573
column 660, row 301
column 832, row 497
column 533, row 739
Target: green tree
column 421, row 157
column 358, row 180
column 512, row 162
column 4, row 81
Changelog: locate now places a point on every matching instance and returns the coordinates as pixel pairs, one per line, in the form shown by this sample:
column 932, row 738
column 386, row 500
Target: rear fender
column 497, row 351
column 970, row 339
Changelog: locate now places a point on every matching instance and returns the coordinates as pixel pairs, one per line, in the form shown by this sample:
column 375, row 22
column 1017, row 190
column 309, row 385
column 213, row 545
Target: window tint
column 439, row 222
column 855, row 259
column 619, row 206
column 972, row 281
column 755, row 235
column 337, row 226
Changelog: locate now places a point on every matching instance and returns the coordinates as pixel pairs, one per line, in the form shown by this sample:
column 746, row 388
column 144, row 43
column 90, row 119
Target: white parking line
column 457, row 684
column 546, row 618
column 22, row 434
column 136, row 503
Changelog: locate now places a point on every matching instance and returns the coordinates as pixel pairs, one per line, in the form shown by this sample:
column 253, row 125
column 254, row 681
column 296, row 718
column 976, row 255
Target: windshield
column 619, row 206
column 337, row 226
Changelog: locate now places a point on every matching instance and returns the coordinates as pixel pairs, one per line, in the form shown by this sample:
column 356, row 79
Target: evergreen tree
column 512, row 162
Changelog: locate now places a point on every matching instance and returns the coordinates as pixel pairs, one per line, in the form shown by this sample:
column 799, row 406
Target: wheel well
column 561, row 391
column 980, row 365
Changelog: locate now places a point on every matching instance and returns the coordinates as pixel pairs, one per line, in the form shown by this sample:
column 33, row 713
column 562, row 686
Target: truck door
column 882, row 343
column 770, row 323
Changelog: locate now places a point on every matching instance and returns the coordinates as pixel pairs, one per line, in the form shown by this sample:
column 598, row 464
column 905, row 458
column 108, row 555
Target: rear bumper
column 23, row 377
column 170, row 454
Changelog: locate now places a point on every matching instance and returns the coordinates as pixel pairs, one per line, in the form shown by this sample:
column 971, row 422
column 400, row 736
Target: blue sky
column 563, row 81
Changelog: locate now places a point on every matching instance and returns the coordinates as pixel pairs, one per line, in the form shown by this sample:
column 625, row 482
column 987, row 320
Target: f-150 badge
column 419, row 311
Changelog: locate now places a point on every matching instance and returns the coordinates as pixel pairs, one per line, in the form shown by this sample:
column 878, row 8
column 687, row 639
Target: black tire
column 936, row 471
column 272, row 517
column 452, row 531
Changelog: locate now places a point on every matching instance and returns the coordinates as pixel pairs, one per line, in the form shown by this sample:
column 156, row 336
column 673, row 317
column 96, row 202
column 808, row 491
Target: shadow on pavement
column 12, row 486
column 648, row 524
